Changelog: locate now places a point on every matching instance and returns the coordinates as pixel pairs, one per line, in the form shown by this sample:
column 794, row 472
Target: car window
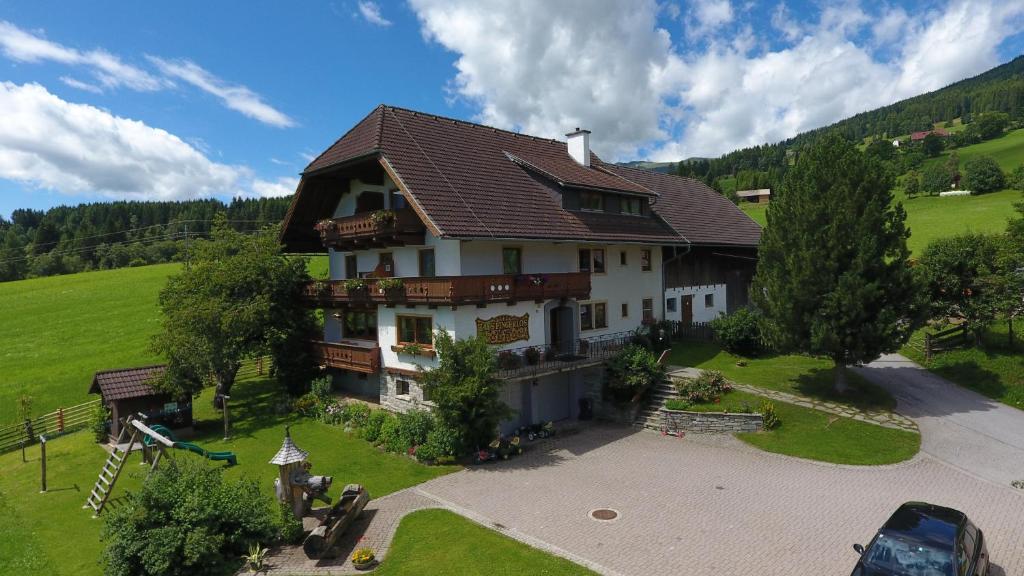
column 892, row 555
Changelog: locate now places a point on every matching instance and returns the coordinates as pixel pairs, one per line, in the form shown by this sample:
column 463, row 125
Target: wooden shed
column 128, row 391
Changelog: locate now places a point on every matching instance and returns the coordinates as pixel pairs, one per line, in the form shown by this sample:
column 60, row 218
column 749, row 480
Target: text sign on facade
column 504, row 329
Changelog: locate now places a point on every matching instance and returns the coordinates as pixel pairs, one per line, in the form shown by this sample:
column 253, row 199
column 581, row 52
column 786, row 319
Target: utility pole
column 187, row 256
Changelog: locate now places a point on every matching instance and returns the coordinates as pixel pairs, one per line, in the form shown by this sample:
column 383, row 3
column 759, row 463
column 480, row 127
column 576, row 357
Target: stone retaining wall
column 710, row 422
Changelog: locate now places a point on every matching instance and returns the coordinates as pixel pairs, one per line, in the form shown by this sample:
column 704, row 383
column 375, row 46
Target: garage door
column 551, row 399
column 511, row 395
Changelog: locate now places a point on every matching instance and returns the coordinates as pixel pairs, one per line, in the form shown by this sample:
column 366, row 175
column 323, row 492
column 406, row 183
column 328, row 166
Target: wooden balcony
column 450, row 290
column 354, row 357
column 372, row 230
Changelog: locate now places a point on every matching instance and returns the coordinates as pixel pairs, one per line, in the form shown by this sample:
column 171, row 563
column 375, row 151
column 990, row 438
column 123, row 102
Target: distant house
column 918, row 136
column 759, row 196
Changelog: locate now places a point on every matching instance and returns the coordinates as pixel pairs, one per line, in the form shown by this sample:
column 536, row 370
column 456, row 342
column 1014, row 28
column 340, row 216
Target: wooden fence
column 62, row 421
column 948, row 339
column 691, row 331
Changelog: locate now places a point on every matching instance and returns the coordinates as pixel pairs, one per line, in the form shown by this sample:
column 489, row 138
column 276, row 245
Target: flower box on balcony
column 414, row 350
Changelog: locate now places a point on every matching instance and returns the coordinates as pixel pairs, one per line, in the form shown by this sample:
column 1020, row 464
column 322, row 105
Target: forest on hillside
column 104, row 235
column 999, row 90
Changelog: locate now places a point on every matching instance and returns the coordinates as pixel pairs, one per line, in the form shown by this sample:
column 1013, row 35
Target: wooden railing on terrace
column 454, row 290
column 369, row 229
column 365, row 359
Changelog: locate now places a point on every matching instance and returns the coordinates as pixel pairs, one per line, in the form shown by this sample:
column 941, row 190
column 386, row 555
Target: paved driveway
column 713, row 506
column 958, row 426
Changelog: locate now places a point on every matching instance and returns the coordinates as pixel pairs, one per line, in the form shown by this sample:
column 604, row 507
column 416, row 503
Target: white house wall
column 701, row 312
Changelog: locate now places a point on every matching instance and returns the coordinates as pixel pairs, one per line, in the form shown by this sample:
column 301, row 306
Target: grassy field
column 29, row 535
column 436, row 542
column 55, row 332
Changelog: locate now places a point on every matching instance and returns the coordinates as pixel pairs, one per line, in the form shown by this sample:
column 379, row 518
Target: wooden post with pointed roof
column 289, row 459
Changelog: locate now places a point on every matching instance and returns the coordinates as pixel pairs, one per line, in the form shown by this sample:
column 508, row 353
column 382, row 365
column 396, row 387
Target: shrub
column 354, row 285
column 288, row 526
column 442, row 441
column 740, row 332
column 333, row 412
column 166, row 528
column 99, row 421
column 770, row 417
column 391, row 435
column 708, row 387
column 356, row 414
column 321, row 388
column 308, row 405
column 632, row 370
column 374, row 422
column 415, row 425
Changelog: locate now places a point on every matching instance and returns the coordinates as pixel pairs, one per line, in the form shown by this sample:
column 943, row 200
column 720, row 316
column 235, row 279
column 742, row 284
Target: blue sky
column 109, row 100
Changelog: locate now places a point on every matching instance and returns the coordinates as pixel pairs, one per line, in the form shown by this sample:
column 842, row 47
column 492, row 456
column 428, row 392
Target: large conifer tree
column 833, row 277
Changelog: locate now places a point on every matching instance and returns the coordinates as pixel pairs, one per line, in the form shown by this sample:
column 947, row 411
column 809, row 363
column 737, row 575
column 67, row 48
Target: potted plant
column 322, row 288
column 355, row 285
column 382, row 218
column 509, row 360
column 391, row 287
column 255, row 560
column 532, row 356
column 363, row 559
column 325, row 227
column 414, row 349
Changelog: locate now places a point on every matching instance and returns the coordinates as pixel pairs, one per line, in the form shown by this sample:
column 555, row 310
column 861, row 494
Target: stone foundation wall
column 392, row 400
column 710, row 422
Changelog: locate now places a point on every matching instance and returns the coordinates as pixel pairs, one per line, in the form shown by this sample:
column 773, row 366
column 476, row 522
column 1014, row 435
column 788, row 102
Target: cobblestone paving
column 887, row 419
column 706, row 505
column 374, row 529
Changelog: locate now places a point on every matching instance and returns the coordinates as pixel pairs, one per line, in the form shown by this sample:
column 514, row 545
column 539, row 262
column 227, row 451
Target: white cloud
column 284, row 186
column 891, row 27
column 72, row 148
column 111, row 72
column 76, row 83
column 545, row 67
column 370, row 12
column 234, row 96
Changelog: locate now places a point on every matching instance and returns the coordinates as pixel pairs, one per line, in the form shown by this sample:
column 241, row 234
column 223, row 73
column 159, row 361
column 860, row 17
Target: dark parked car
column 924, row 540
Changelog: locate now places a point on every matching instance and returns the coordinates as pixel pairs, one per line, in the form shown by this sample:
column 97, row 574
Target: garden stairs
column 112, row 469
column 650, row 415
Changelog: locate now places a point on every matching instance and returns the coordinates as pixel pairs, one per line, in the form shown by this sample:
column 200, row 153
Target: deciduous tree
column 982, row 174
column 238, row 298
column 833, row 277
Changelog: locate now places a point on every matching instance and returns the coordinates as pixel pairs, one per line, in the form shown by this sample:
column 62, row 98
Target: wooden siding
column 705, row 266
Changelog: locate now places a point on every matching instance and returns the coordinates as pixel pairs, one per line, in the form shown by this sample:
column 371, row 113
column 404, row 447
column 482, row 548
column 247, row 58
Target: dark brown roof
column 474, row 181
column 695, row 210
column 126, row 383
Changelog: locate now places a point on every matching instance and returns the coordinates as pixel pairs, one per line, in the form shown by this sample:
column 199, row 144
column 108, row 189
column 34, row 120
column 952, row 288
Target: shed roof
column 289, row 452
column 126, row 382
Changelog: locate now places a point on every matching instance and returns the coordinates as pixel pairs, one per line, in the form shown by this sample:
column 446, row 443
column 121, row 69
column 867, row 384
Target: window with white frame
column 592, row 260
column 709, row 300
column 593, row 316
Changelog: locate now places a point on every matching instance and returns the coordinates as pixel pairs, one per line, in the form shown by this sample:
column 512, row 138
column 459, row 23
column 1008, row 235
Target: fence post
column 60, row 420
column 42, row 460
column 927, row 347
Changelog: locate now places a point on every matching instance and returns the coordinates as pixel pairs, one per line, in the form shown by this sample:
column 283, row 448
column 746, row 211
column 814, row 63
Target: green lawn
column 994, row 370
column 439, row 542
column 1008, row 151
column 757, row 212
column 793, row 373
column 55, row 332
column 39, row 529
column 816, row 435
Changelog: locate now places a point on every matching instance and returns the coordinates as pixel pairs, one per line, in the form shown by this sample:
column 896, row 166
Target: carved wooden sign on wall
column 504, row 329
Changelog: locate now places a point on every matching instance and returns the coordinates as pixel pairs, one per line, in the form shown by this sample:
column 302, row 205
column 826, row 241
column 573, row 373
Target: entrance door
column 687, row 309
column 561, row 326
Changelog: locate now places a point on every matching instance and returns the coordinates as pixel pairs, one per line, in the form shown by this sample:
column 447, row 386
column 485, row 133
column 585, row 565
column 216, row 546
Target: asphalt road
column 963, row 428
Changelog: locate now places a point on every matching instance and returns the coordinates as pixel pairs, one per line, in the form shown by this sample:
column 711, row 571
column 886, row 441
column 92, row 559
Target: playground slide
column 194, row 448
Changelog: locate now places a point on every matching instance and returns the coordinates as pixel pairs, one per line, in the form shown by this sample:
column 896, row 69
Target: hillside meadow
column 931, row 217
column 56, row 332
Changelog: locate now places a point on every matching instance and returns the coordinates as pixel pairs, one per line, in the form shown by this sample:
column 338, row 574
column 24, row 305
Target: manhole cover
column 604, row 514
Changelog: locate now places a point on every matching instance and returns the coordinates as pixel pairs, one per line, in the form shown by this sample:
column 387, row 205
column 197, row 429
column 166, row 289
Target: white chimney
column 579, row 146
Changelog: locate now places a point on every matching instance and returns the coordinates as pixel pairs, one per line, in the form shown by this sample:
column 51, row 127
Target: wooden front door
column 687, row 309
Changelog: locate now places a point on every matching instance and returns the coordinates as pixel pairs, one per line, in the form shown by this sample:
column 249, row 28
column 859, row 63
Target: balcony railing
column 372, row 229
column 534, row 361
column 453, row 290
column 354, row 357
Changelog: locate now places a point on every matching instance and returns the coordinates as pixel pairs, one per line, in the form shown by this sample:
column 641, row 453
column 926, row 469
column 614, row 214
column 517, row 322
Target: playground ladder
column 111, row 469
